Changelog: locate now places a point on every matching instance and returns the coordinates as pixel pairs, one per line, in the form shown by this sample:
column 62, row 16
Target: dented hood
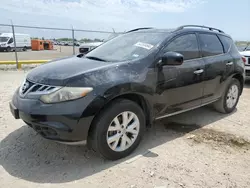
column 61, row 72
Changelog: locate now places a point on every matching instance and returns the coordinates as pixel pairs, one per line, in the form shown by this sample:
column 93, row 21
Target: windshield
column 127, row 46
column 4, row 39
column 113, row 35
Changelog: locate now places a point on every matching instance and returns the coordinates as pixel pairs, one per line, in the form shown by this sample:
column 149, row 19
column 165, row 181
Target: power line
column 55, row 28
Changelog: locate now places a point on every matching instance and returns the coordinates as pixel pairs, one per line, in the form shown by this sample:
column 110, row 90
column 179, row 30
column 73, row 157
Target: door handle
column 199, row 71
column 229, row 63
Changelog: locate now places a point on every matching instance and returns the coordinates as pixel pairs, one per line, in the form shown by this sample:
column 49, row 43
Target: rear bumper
column 247, row 71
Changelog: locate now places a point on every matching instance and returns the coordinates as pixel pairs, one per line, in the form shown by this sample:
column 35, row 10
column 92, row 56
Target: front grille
column 248, row 60
column 44, row 131
column 30, row 87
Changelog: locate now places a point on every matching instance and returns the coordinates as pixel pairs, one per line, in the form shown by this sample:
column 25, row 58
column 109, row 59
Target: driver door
column 180, row 87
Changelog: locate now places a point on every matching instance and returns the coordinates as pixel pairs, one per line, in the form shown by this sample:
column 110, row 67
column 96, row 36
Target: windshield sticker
column 144, row 45
column 135, row 55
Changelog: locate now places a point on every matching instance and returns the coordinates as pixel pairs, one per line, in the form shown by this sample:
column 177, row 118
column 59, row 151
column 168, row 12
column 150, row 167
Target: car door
column 180, row 87
column 218, row 65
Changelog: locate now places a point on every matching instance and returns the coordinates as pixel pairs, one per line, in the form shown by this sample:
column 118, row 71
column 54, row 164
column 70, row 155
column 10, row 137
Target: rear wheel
column 118, row 130
column 230, row 97
column 24, row 48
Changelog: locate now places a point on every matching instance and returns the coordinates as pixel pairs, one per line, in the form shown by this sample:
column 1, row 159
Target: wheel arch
column 241, row 80
column 141, row 101
column 135, row 97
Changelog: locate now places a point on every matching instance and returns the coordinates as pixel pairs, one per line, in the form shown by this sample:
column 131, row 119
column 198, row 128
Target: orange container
column 37, row 44
column 48, row 45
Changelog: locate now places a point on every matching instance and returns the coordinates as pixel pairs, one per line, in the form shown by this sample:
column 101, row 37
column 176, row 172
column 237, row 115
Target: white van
column 23, row 41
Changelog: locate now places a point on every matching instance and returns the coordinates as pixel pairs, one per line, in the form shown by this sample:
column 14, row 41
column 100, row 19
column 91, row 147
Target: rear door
column 218, row 66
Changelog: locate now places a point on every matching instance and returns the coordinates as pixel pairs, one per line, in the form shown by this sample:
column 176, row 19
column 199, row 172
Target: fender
column 132, row 91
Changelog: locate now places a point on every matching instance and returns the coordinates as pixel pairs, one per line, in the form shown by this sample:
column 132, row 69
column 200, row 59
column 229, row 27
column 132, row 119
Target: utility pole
column 14, row 39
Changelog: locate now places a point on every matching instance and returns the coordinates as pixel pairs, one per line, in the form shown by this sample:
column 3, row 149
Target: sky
column 231, row 16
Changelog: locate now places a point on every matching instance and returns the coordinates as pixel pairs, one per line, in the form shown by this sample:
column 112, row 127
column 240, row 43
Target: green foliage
column 242, row 43
column 64, row 39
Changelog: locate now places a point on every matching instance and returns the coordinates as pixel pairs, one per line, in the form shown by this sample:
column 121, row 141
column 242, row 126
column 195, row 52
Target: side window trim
column 224, row 50
column 223, row 44
column 199, row 45
column 180, row 35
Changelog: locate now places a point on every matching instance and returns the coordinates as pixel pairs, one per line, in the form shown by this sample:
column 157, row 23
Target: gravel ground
column 200, row 148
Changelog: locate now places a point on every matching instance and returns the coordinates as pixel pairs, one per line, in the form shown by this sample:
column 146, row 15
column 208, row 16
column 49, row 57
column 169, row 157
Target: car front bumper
column 62, row 123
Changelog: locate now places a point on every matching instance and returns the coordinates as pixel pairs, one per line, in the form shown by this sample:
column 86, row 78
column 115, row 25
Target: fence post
column 73, row 37
column 14, row 39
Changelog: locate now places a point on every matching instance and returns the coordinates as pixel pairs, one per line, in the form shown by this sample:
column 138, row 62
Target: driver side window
column 186, row 45
column 10, row 41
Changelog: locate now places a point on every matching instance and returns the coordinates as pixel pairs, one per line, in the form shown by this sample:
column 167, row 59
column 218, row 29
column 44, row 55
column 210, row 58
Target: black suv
column 109, row 96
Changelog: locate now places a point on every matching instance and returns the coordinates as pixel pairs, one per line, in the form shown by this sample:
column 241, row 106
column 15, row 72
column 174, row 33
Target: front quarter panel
column 127, row 78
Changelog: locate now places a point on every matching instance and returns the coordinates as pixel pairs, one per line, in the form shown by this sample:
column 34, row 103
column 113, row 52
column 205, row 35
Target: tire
column 8, row 49
column 222, row 104
column 99, row 134
column 24, row 48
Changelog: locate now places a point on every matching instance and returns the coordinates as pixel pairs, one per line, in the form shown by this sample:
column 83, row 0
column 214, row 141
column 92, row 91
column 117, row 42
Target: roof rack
column 139, row 29
column 201, row 26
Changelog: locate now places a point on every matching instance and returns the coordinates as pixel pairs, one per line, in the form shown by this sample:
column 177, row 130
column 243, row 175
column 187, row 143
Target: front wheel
column 8, row 49
column 117, row 131
column 230, row 98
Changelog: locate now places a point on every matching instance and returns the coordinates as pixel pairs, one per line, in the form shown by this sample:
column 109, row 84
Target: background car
column 86, row 47
column 246, row 58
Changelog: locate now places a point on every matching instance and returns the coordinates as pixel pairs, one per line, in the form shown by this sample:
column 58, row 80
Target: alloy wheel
column 232, row 96
column 123, row 131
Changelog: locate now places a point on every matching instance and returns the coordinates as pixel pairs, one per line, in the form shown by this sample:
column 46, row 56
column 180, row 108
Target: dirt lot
column 59, row 51
column 200, row 148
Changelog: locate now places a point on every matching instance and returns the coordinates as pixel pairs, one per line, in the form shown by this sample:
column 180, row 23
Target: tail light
column 244, row 60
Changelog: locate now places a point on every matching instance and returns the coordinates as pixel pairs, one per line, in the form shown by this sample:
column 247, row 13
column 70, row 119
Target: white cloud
column 93, row 13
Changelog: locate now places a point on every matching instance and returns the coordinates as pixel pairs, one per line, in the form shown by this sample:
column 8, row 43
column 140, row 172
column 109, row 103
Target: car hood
column 83, row 72
column 59, row 72
column 245, row 53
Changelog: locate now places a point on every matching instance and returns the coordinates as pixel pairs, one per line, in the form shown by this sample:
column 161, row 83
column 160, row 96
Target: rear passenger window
column 186, row 45
column 210, row 45
column 227, row 42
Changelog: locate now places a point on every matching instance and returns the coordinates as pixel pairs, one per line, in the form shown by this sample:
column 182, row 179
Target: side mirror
column 171, row 58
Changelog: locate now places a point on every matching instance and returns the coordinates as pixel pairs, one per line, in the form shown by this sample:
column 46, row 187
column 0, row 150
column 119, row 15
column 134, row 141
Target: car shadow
column 26, row 155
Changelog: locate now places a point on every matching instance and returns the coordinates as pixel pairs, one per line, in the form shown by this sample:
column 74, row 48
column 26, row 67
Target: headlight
column 66, row 94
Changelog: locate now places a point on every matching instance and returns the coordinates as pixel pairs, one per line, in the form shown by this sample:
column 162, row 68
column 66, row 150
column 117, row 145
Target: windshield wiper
column 95, row 58
column 245, row 49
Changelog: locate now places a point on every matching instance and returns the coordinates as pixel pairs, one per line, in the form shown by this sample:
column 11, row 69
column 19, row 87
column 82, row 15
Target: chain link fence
column 62, row 42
